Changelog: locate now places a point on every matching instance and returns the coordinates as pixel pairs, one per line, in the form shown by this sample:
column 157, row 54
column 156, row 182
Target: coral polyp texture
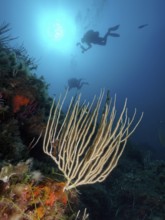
column 24, row 197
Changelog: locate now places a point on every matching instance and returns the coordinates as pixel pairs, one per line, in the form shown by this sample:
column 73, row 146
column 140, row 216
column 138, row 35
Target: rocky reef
column 33, row 188
column 28, row 190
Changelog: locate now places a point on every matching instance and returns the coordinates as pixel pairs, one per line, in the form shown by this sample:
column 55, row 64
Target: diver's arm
column 89, row 46
column 83, row 48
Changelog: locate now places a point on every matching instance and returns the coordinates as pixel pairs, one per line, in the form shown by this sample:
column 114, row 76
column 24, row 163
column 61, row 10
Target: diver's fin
column 114, row 35
column 114, row 28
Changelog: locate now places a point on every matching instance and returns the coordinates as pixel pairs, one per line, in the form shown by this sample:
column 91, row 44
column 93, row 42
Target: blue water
column 131, row 66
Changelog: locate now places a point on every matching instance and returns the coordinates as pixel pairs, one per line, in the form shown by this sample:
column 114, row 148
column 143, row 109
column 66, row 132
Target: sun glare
column 58, row 31
column 55, row 32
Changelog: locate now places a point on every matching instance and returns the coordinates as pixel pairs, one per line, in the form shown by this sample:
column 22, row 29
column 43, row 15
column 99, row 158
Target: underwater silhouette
column 93, row 37
column 76, row 83
column 142, row 26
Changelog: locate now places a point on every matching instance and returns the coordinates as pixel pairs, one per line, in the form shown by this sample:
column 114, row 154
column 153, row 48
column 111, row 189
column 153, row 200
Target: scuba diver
column 92, row 37
column 76, row 83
